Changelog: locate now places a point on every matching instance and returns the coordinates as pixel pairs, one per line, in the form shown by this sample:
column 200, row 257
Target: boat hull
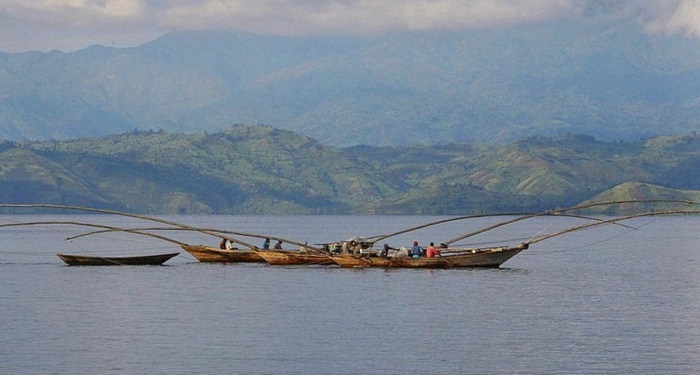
column 144, row 260
column 214, row 255
column 286, row 258
column 477, row 258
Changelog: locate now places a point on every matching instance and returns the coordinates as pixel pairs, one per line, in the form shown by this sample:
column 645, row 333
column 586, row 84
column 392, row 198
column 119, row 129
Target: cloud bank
column 674, row 17
column 74, row 24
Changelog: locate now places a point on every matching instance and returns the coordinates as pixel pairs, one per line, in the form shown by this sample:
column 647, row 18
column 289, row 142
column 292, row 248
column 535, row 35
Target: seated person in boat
column 278, row 245
column 431, row 251
column 416, row 250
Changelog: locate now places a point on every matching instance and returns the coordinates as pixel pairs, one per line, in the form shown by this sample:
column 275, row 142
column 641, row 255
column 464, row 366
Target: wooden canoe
column 212, row 254
column 488, row 258
column 143, row 260
column 286, row 257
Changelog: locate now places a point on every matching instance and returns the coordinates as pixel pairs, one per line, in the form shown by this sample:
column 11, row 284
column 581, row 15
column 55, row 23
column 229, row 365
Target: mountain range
column 265, row 170
column 609, row 80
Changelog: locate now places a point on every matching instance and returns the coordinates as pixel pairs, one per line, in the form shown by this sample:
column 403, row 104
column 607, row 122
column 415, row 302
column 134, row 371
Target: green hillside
column 639, row 191
column 264, row 170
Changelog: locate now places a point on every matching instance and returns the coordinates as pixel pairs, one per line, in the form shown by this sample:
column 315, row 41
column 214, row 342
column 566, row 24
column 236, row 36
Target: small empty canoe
column 143, row 260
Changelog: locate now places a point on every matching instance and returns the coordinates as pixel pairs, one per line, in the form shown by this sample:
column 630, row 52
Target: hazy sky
column 69, row 25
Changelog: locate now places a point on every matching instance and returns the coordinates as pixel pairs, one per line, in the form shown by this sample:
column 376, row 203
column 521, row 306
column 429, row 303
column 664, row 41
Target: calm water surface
column 605, row 301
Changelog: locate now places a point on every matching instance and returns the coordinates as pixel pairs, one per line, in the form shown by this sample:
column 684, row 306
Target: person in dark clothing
column 385, row 251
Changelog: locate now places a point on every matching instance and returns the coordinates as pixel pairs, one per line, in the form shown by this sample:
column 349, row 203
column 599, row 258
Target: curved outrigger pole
column 610, row 221
column 523, row 216
column 559, row 212
column 215, row 233
column 119, row 213
column 106, row 228
column 221, row 233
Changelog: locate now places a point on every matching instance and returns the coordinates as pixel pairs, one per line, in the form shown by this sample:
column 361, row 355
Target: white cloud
column 79, row 12
column 72, row 24
column 674, row 17
column 361, row 16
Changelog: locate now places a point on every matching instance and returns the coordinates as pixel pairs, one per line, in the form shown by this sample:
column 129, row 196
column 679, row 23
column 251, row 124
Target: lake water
column 610, row 300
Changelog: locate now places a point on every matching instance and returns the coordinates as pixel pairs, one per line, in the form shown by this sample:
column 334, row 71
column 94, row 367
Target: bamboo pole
column 622, row 218
column 559, row 212
column 212, row 232
column 524, row 215
column 119, row 213
column 106, row 227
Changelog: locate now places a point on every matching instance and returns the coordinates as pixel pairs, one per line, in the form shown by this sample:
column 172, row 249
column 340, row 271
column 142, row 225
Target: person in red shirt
column 431, row 252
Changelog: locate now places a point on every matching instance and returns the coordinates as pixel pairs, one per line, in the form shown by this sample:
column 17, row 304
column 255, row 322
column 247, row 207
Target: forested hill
column 264, row 170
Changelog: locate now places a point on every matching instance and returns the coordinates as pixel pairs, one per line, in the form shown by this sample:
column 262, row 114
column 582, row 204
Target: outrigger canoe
column 491, row 257
column 143, row 260
column 287, row 257
column 212, row 254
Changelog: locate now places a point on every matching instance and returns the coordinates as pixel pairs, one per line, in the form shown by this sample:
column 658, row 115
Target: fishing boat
column 287, row 258
column 492, row 257
column 481, row 257
column 143, row 260
column 212, row 254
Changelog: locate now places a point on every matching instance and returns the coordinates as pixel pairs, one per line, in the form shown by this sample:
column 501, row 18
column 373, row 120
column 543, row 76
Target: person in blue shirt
column 416, row 250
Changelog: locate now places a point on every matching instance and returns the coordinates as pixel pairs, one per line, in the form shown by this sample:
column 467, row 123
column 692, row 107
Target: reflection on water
column 609, row 301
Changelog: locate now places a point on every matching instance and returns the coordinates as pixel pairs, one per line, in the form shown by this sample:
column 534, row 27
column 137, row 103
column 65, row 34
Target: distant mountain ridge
column 595, row 77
